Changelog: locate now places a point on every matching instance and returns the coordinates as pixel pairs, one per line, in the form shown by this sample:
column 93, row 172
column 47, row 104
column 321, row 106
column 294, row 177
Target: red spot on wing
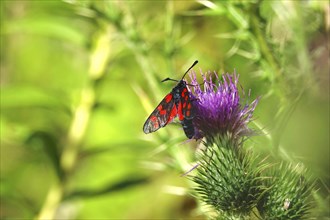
column 161, row 110
column 154, row 121
column 181, row 117
column 168, row 98
column 183, row 93
column 173, row 114
column 153, row 118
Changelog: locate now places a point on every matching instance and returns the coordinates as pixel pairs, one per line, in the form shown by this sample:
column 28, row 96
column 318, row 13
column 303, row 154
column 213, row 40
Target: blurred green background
column 79, row 78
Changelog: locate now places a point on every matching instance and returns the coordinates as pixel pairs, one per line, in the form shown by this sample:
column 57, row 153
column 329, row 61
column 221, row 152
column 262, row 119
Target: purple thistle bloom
column 218, row 111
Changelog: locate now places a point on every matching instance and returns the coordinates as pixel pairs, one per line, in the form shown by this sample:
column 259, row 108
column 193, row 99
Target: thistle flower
column 228, row 179
column 218, row 108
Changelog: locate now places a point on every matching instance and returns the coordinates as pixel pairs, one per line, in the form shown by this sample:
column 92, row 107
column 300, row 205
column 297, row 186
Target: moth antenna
column 169, row 79
column 196, row 61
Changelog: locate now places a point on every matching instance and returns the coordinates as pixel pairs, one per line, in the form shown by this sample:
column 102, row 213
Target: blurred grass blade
column 111, row 188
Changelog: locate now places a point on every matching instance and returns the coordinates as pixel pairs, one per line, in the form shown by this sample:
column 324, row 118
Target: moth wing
column 186, row 106
column 163, row 114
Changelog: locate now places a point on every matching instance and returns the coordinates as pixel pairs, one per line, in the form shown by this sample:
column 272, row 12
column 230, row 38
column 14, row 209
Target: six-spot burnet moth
column 176, row 103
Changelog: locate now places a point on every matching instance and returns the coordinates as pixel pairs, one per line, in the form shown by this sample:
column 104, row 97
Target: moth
column 177, row 103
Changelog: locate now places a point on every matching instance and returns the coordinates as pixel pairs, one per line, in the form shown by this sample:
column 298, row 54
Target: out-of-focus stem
column 265, row 50
column 98, row 60
column 135, row 42
column 77, row 130
column 53, row 198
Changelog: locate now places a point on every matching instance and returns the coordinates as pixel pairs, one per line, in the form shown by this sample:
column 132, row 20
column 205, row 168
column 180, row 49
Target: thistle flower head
column 218, row 108
column 227, row 178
